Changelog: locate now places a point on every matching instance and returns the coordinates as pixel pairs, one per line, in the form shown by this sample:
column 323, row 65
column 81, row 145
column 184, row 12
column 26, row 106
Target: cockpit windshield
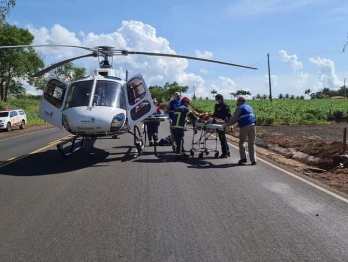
column 107, row 93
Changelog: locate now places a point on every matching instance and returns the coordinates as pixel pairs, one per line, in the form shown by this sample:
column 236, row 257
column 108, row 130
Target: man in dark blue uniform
column 172, row 105
column 178, row 126
column 223, row 112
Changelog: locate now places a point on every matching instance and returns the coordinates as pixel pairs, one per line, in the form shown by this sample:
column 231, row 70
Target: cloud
column 326, row 72
column 204, row 71
column 301, row 80
column 132, row 35
column 274, row 80
column 290, row 60
column 244, row 8
column 205, row 54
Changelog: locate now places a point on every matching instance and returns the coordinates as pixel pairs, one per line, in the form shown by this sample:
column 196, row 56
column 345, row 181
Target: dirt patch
column 321, row 142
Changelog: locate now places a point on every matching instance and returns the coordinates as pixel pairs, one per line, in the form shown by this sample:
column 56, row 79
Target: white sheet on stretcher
column 210, row 126
column 155, row 118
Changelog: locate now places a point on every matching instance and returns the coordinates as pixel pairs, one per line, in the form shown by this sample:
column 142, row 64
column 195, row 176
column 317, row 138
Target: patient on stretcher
column 209, row 123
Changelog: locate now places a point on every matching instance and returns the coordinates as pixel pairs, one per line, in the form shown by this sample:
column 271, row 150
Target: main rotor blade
column 125, row 52
column 42, row 72
column 22, row 46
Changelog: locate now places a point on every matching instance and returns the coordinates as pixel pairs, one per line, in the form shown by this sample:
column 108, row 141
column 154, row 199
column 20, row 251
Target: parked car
column 12, row 118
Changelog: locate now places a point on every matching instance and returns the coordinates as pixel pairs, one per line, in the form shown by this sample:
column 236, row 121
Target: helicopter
column 100, row 105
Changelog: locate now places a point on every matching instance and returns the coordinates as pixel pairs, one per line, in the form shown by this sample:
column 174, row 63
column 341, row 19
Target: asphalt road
column 106, row 204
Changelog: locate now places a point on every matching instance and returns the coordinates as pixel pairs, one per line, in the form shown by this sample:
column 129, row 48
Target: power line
column 242, row 70
column 315, row 53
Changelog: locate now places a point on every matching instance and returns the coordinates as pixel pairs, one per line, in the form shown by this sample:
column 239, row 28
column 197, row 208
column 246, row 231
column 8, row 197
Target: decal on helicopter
column 116, row 106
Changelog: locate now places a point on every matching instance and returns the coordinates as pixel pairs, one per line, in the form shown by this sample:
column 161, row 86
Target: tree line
column 17, row 65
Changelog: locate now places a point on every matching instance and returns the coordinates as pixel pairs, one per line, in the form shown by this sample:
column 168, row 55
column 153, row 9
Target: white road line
column 300, row 178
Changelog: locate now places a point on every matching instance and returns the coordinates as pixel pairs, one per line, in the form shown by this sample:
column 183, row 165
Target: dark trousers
column 152, row 129
column 224, row 146
column 179, row 139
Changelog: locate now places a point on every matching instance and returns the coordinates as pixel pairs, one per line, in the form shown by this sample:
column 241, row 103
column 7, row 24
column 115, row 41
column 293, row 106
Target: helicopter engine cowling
column 95, row 121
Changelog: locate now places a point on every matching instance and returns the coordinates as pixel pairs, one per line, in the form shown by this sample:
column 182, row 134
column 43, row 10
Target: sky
column 305, row 40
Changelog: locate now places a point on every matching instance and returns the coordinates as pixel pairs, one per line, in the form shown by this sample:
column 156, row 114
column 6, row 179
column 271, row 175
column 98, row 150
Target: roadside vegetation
column 277, row 112
column 30, row 104
column 288, row 112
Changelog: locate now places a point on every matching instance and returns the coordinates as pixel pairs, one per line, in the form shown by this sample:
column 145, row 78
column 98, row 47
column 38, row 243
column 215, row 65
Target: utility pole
column 269, row 79
column 344, row 86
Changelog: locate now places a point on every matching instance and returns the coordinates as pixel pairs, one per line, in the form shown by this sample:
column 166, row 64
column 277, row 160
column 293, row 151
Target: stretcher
column 151, row 119
column 205, row 130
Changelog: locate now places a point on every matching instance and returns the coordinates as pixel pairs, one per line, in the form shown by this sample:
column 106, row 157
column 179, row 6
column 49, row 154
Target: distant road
column 106, row 204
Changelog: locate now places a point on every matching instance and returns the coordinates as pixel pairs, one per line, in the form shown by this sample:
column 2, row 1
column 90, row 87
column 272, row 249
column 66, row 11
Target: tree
column 5, row 8
column 281, row 97
column 243, row 93
column 214, row 92
column 167, row 91
column 67, row 73
column 233, row 95
column 307, row 91
column 16, row 63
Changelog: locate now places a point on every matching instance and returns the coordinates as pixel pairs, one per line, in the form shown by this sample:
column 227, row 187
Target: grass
column 30, row 104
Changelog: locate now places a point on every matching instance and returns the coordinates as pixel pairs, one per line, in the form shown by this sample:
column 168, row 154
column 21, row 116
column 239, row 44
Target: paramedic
column 172, row 105
column 153, row 126
column 245, row 116
column 178, row 126
column 223, row 112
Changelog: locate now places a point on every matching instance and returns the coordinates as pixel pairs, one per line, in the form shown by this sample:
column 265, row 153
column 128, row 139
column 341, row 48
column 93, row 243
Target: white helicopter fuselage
column 100, row 105
column 94, row 121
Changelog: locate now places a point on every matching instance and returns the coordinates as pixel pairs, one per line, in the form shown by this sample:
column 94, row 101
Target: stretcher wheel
column 200, row 156
column 217, row 154
column 207, row 152
column 192, row 153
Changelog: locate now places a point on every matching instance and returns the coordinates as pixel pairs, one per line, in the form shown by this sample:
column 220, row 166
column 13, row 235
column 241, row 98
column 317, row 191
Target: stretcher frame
column 151, row 119
column 207, row 131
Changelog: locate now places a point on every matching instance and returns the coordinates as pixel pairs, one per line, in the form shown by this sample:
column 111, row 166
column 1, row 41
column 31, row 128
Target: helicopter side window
column 136, row 91
column 54, row 93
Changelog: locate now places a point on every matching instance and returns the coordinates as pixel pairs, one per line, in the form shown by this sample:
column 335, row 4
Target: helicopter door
column 138, row 100
column 52, row 102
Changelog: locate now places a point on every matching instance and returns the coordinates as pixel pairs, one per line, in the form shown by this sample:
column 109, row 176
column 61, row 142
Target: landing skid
column 73, row 148
column 138, row 143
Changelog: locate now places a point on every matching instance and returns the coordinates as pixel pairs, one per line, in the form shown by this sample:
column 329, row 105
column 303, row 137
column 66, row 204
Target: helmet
column 185, row 100
column 177, row 94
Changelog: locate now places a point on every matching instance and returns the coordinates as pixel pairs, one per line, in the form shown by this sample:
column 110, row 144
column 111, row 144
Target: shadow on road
column 206, row 162
column 52, row 162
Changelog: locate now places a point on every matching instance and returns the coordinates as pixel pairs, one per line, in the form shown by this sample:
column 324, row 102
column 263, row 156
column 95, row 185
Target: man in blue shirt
column 178, row 126
column 172, row 105
column 245, row 116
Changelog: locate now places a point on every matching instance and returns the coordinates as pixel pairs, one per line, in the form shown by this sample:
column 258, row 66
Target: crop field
column 288, row 112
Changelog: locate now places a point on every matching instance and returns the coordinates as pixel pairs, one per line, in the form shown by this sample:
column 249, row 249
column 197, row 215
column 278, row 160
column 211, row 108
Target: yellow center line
column 14, row 159
column 60, row 139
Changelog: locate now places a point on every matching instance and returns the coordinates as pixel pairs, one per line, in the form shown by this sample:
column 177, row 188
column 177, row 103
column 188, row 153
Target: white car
column 12, row 118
